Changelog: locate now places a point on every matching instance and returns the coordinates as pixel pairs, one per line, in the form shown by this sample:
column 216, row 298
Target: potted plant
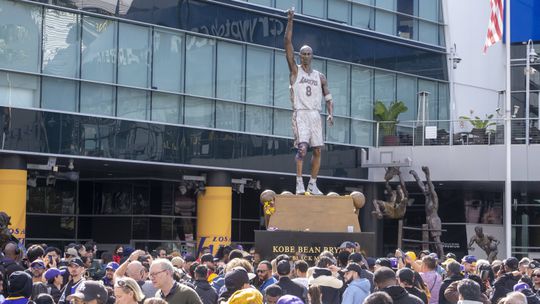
column 387, row 116
column 480, row 127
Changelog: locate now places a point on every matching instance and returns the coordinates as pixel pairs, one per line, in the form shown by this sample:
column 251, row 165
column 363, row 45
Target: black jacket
column 330, row 295
column 445, row 283
column 207, row 293
column 400, row 296
column 289, row 287
column 504, row 285
column 419, row 293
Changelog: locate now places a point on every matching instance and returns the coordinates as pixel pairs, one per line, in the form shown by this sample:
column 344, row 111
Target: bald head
column 136, row 271
column 10, row 250
column 306, row 55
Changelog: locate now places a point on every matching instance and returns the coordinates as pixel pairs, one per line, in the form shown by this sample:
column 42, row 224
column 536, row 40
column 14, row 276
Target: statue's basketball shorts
column 307, row 127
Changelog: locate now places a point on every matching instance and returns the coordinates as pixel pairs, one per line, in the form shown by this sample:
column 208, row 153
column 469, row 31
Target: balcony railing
column 454, row 132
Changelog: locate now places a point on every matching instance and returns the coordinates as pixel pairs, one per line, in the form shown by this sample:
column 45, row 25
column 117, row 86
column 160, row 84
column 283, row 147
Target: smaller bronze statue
column 397, row 200
column 432, row 207
column 486, row 242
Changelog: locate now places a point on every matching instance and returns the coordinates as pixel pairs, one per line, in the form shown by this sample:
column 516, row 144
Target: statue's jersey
column 306, row 91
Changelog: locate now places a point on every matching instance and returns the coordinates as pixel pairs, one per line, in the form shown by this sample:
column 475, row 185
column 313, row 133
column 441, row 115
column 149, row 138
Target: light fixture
column 454, row 58
column 32, row 179
column 71, row 166
column 532, row 55
column 516, row 110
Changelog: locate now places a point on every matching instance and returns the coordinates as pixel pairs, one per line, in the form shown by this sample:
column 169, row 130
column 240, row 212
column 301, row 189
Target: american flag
column 495, row 27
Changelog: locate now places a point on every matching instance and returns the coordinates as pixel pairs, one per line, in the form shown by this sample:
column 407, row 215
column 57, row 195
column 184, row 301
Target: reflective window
column 287, row 4
column 259, row 76
column 167, row 107
column 133, row 55
column 338, row 133
column 97, row 99
column 230, row 69
column 362, row 93
column 338, row 10
column 282, row 95
column 338, row 82
column 199, row 112
column 315, row 8
column 133, row 103
column 428, row 32
column 362, row 16
column 406, row 92
column 428, row 9
column 386, row 4
column 19, row 90
column 444, row 104
column 385, row 22
column 432, row 98
column 59, row 94
column 61, row 43
column 230, row 116
column 406, row 27
column 361, row 133
column 283, row 122
column 258, row 120
column 262, row 2
column 98, row 49
column 168, row 61
column 385, row 87
column 20, row 36
column 199, row 66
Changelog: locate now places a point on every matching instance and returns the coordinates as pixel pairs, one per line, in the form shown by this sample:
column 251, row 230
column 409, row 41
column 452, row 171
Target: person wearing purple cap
column 109, row 274
column 55, row 280
column 289, row 299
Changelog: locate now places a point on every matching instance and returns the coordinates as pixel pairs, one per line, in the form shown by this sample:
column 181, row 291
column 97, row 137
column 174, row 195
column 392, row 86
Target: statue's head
column 478, row 230
column 306, row 55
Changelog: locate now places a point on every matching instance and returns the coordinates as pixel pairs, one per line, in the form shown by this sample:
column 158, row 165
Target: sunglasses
column 123, row 284
column 536, row 275
column 261, row 271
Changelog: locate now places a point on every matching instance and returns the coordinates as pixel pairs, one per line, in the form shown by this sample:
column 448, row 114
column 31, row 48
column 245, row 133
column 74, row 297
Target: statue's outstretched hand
column 290, row 13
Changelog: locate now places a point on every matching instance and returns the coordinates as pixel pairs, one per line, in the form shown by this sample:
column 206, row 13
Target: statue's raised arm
column 289, row 50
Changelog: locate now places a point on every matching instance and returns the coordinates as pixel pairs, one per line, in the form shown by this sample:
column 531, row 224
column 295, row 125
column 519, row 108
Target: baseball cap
column 347, row 244
column 289, row 299
column 77, row 261
column 469, row 259
column 356, row 257
column 112, row 265
column 236, row 278
column 53, row 273
column 283, row 267
column 385, row 262
column 426, row 252
column 524, row 262
column 207, row 257
column 354, row 267
column 411, row 255
column 451, row 255
column 90, row 290
column 37, row 264
column 72, row 251
column 521, row 286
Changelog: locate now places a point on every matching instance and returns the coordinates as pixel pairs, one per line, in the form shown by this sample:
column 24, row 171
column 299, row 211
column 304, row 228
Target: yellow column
column 13, row 199
column 214, row 213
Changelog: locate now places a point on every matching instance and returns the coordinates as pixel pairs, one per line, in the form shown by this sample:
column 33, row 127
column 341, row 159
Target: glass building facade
column 198, row 84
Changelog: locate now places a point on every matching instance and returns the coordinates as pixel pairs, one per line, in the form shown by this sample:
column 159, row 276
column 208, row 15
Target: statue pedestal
column 308, row 245
column 314, row 214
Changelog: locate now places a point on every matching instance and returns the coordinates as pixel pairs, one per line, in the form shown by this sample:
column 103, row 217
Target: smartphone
column 484, row 274
column 50, row 258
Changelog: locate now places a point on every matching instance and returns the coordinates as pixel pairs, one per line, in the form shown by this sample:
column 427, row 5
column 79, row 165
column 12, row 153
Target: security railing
column 455, row 132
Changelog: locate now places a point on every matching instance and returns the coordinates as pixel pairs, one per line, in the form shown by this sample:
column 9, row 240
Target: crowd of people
column 44, row 274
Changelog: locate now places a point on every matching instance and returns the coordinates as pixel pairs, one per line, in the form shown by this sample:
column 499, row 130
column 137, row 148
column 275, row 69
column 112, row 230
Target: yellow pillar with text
column 214, row 213
column 13, row 200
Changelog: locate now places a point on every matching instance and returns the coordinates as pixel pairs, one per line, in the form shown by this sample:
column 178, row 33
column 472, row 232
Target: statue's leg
column 377, row 204
column 315, row 162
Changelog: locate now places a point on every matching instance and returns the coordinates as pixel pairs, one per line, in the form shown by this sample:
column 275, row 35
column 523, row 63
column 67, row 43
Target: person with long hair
column 118, row 253
column 127, row 291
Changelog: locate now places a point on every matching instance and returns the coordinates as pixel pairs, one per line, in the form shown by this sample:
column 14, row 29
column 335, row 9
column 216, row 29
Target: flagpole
column 508, row 141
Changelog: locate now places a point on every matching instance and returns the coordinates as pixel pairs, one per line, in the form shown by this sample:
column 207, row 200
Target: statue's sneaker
column 313, row 190
column 300, row 190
